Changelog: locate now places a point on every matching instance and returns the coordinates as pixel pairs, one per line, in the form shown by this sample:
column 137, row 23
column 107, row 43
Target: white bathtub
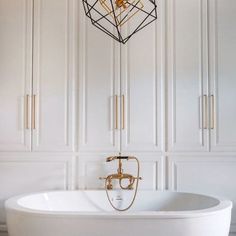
column 88, row 213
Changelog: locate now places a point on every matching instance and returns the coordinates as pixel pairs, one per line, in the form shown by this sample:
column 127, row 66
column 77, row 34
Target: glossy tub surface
column 88, row 213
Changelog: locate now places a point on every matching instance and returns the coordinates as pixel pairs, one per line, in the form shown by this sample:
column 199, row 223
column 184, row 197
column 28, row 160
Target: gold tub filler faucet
column 120, row 176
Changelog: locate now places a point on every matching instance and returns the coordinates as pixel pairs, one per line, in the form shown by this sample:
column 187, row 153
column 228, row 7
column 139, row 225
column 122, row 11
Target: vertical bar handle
column 27, row 112
column 212, row 112
column 33, row 112
column 205, row 117
column 123, row 111
column 116, row 112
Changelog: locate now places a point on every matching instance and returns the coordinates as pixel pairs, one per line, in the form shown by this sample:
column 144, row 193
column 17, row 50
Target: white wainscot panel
column 208, row 175
column 91, row 168
column 25, row 176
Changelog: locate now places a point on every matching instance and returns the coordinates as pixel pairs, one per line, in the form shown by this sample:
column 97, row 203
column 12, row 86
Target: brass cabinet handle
column 205, row 112
column 212, row 112
column 33, row 111
column 27, row 112
column 116, row 111
column 123, row 111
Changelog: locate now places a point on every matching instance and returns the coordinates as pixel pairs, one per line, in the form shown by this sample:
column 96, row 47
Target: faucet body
column 120, row 176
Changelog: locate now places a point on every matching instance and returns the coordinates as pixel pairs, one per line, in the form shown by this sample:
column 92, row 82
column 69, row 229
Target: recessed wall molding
column 187, row 74
column 90, row 168
column 54, row 73
column 13, row 135
column 212, row 176
column 222, row 74
column 98, row 89
column 29, row 176
column 111, row 87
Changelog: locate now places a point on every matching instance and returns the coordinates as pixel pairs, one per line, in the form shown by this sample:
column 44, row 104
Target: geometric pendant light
column 120, row 19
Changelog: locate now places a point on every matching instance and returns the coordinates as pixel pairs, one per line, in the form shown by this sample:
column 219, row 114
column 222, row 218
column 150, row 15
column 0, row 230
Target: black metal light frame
column 150, row 16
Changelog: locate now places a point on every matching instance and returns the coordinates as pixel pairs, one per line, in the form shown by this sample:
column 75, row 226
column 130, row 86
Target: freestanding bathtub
column 88, row 213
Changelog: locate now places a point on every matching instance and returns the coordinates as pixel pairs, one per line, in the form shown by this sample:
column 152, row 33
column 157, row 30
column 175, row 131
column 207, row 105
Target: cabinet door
column 54, row 63
column 98, row 89
column 223, row 74
column 187, row 75
column 15, row 73
column 142, row 71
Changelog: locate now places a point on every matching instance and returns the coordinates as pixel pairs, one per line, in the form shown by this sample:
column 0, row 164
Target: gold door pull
column 27, row 102
column 205, row 112
column 212, row 112
column 33, row 112
column 116, row 111
column 123, row 111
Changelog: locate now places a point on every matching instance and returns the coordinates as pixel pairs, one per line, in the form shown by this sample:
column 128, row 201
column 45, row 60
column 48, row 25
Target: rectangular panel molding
column 98, row 89
column 187, row 74
column 15, row 73
column 205, row 175
column 142, row 76
column 91, row 167
column 54, row 74
column 18, row 177
column 222, row 41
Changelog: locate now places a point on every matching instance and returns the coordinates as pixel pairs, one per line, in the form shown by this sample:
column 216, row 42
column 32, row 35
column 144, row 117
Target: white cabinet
column 98, row 90
column 53, row 74
column 201, row 75
column 37, row 70
column 15, row 73
column 120, row 91
column 222, row 43
column 187, row 75
column 141, row 91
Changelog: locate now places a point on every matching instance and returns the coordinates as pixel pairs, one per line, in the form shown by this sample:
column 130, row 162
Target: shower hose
column 135, row 192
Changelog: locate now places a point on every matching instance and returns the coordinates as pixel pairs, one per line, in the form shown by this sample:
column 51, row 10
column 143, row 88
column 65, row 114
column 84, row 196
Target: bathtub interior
column 96, row 201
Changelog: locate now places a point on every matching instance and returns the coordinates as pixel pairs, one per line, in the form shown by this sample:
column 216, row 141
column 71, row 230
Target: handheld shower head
column 111, row 158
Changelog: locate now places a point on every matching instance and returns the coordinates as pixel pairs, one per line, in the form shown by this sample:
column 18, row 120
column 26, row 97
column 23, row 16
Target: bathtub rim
column 11, row 205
